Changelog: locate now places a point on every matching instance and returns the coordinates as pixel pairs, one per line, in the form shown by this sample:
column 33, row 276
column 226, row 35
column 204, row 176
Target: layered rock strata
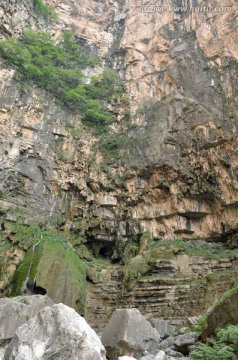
column 177, row 176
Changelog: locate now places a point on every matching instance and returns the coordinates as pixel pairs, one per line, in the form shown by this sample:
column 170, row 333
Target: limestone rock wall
column 177, row 176
column 176, row 289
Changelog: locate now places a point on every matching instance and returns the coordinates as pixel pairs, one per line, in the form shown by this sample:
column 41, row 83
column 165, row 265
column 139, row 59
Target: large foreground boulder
column 129, row 333
column 222, row 315
column 17, row 311
column 57, row 332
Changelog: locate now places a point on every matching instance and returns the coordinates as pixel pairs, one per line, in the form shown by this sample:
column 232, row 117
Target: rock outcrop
column 128, row 333
column 17, row 311
column 185, row 342
column 176, row 171
column 165, row 291
column 223, row 314
column 56, row 332
column 179, row 184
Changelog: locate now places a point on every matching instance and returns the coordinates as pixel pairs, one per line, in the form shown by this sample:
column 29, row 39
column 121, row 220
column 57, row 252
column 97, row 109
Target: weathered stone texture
column 223, row 314
column 165, row 292
column 16, row 312
column 128, row 333
column 57, row 331
column 178, row 176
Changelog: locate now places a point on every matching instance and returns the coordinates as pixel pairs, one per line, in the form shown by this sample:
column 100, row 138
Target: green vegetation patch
column 44, row 10
column 54, row 265
column 21, row 235
column 142, row 257
column 211, row 251
column 59, row 70
column 27, row 268
column 110, row 145
column 134, row 270
column 200, row 324
column 223, row 347
column 62, row 272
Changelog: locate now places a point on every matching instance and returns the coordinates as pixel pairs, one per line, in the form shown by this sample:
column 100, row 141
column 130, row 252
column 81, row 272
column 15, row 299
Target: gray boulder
column 57, row 332
column 159, row 356
column 126, row 358
column 174, row 354
column 147, row 357
column 17, row 311
column 167, row 343
column 129, row 333
column 184, row 342
column 183, row 330
column 2, row 351
column 163, row 326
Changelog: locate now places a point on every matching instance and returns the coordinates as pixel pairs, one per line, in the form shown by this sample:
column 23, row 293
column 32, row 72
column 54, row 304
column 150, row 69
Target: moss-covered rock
column 55, row 266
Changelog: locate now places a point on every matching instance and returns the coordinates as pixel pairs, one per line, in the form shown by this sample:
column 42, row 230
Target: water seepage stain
column 28, row 287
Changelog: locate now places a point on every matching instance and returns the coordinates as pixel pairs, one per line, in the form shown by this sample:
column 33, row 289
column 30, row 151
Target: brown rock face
column 180, row 167
column 174, row 288
column 180, row 174
column 177, row 171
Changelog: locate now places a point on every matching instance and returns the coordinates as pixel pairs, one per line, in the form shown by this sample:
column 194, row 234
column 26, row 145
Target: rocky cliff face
column 177, row 173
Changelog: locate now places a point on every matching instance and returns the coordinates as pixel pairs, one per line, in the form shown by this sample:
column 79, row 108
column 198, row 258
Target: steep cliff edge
column 167, row 166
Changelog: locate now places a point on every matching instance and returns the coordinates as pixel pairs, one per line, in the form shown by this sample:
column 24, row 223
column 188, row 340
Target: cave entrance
column 34, row 289
column 105, row 251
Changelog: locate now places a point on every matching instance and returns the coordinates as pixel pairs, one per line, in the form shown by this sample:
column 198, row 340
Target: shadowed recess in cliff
column 35, row 289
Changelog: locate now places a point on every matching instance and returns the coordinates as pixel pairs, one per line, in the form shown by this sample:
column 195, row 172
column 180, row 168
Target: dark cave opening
column 104, row 251
column 34, row 289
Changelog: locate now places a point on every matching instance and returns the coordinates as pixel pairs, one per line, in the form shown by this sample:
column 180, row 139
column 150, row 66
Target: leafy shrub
column 134, row 269
column 213, row 351
column 110, row 144
column 208, row 251
column 200, row 323
column 44, row 10
column 223, row 347
column 229, row 336
column 58, row 69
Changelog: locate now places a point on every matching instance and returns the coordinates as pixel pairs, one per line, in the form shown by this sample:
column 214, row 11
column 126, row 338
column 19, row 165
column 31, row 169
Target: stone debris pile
column 34, row 328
